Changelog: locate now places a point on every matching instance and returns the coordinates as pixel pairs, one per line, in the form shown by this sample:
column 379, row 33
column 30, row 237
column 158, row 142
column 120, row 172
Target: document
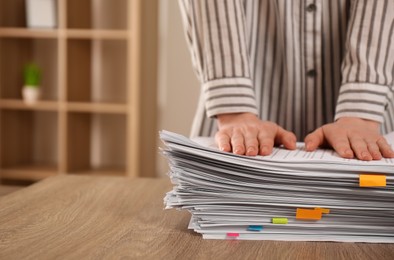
column 288, row 195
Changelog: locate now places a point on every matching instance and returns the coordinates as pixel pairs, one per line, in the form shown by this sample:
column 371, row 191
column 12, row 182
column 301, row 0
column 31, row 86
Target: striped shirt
column 299, row 63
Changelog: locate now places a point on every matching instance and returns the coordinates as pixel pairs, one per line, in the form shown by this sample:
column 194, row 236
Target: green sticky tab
column 279, row 220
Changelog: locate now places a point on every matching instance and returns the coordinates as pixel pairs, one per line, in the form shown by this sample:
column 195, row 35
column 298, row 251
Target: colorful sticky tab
column 372, row 180
column 255, row 228
column 279, row 220
column 309, row 214
column 323, row 210
column 232, row 235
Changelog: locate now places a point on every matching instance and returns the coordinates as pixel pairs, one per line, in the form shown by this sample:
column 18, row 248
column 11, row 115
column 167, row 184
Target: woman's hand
column 245, row 134
column 351, row 137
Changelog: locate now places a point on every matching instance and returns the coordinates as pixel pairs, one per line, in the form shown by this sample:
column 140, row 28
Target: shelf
column 16, row 53
column 97, row 141
column 97, row 34
column 20, row 105
column 70, row 33
column 29, row 172
column 101, row 74
column 17, row 104
column 28, row 33
column 97, row 14
column 96, row 108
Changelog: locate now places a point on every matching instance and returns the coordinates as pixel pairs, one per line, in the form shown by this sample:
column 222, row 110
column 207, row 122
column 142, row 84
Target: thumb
column 314, row 139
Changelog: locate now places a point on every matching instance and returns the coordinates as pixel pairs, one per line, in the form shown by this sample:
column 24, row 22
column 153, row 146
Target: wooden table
column 83, row 217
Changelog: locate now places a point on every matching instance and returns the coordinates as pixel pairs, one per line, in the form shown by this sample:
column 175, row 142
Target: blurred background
column 85, row 86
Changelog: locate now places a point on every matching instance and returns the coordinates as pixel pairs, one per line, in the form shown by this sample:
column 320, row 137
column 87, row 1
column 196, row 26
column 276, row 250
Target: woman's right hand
column 246, row 134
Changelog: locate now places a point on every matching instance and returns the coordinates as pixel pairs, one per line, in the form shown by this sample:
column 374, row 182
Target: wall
column 178, row 86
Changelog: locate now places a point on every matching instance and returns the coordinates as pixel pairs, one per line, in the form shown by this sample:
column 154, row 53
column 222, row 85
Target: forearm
column 216, row 36
column 367, row 69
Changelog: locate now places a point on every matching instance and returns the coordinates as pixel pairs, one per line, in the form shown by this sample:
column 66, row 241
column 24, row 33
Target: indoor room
column 196, row 129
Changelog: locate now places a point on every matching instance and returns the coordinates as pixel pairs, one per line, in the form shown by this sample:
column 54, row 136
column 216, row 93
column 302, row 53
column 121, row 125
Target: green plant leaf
column 32, row 75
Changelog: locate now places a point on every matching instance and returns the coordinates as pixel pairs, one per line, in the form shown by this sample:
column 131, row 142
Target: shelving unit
column 97, row 114
column 29, row 144
column 95, row 148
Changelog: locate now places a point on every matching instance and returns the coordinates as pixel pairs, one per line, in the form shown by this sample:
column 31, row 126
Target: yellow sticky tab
column 309, row 214
column 372, row 180
column 323, row 210
column 279, row 220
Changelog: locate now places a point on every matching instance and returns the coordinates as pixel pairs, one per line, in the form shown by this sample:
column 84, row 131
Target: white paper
column 226, row 193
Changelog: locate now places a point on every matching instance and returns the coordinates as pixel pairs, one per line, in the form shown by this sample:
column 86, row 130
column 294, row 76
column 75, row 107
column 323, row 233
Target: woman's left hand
column 351, row 137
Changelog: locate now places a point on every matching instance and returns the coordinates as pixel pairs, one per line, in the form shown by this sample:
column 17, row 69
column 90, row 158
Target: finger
column 373, row 149
column 288, row 139
column 223, row 141
column 266, row 145
column 237, row 143
column 385, row 148
column 314, row 139
column 341, row 145
column 251, row 143
column 360, row 148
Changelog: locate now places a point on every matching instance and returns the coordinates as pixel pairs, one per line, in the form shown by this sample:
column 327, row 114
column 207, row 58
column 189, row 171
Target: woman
column 322, row 70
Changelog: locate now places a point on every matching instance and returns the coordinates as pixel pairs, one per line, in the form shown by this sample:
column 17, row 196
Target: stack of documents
column 288, row 195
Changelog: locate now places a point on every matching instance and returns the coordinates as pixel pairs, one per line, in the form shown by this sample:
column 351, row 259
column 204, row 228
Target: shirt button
column 311, row 8
column 311, row 73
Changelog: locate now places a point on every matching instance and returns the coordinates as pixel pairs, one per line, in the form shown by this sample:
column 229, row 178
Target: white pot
column 31, row 94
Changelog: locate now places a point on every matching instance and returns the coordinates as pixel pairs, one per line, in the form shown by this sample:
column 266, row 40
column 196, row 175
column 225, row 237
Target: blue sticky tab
column 255, row 228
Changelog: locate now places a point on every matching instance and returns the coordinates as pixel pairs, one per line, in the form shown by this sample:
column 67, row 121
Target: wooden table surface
column 83, row 217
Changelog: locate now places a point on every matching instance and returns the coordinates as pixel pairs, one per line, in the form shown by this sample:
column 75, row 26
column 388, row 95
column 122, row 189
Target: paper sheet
column 227, row 193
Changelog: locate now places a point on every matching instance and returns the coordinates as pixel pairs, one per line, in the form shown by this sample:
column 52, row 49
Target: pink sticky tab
column 233, row 235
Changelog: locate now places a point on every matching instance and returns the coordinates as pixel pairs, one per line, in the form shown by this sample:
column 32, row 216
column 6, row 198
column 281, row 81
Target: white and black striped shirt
column 300, row 63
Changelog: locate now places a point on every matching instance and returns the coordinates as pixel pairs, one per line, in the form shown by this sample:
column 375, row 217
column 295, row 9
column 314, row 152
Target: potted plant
column 32, row 79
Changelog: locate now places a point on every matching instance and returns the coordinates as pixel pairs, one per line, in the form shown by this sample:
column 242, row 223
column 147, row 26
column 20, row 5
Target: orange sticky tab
column 323, row 210
column 372, row 180
column 309, row 214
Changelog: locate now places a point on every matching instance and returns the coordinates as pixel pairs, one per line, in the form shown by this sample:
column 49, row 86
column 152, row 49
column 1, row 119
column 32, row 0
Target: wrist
column 352, row 120
column 230, row 116
column 235, row 117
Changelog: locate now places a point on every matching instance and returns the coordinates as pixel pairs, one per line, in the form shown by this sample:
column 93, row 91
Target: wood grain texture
column 7, row 189
column 81, row 217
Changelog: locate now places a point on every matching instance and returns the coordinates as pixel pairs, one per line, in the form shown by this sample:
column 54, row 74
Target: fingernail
column 225, row 148
column 366, row 156
column 250, row 150
column 264, row 150
column 377, row 156
column 349, row 152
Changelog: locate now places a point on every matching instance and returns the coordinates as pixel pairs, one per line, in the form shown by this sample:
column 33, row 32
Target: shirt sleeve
column 367, row 68
column 215, row 32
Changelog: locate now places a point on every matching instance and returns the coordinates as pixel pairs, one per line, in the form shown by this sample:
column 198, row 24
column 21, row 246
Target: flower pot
column 31, row 94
